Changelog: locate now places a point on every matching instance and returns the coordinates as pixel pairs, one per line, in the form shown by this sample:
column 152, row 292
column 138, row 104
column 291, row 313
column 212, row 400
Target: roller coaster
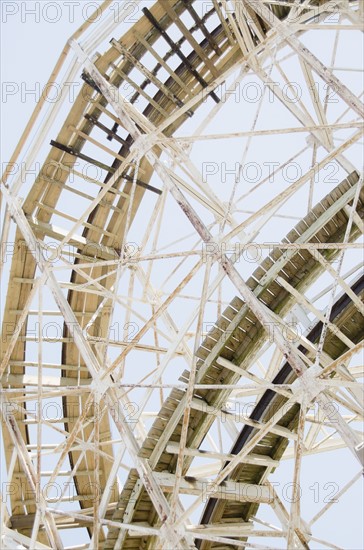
column 175, row 340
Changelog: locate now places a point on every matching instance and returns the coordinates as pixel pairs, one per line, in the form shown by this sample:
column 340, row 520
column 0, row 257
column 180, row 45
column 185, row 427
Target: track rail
column 344, row 315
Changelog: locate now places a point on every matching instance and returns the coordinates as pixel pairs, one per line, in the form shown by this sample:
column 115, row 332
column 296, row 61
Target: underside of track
column 180, row 81
column 229, row 349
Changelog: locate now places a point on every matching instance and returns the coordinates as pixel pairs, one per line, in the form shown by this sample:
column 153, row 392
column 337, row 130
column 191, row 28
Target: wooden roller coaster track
column 173, row 59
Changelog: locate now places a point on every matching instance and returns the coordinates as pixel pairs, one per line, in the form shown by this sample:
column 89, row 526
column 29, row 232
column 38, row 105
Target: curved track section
column 102, row 235
column 228, row 351
column 173, row 81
